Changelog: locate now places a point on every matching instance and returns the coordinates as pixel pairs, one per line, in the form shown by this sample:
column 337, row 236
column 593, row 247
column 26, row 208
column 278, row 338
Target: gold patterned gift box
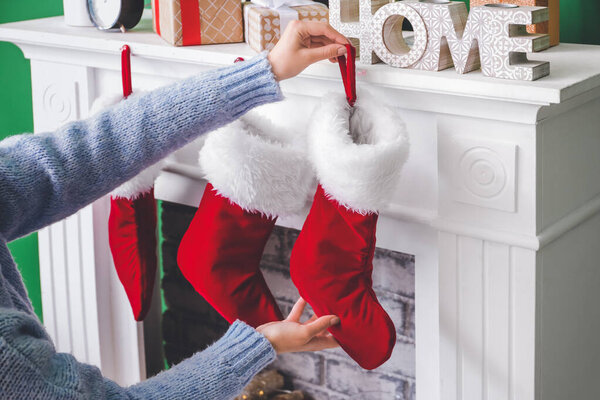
column 192, row 22
column 263, row 19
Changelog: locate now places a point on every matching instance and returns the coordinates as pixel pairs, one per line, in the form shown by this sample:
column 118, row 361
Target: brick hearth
column 191, row 324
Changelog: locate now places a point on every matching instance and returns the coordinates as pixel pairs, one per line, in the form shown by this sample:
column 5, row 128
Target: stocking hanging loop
column 348, row 70
column 126, row 70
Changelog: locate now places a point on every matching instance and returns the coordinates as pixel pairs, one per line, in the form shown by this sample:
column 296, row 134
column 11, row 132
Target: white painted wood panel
column 74, row 266
column 522, row 324
column 496, row 275
column 470, row 317
column 449, row 316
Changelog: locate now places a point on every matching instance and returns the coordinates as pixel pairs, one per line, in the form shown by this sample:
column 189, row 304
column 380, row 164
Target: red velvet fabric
column 132, row 239
column 348, row 71
column 220, row 255
column 331, row 266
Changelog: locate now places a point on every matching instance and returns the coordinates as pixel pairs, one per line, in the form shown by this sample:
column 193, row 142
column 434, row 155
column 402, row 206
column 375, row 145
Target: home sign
column 492, row 37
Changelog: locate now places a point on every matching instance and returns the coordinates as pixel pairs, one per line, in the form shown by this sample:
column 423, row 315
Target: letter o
column 389, row 44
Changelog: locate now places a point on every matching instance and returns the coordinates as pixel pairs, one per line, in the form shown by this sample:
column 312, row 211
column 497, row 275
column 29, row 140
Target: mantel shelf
column 575, row 69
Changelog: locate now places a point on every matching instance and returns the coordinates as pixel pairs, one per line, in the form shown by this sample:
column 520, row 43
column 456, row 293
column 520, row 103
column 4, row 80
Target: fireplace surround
column 190, row 324
column 498, row 204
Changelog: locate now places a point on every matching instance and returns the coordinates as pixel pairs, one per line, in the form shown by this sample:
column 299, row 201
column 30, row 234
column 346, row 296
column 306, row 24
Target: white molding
column 485, row 172
column 186, row 170
column 176, row 176
column 532, row 242
column 510, row 238
column 569, row 222
column 410, row 214
column 559, row 86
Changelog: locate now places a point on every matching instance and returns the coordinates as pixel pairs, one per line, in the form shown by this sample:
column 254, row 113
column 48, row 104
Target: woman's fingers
column 329, row 51
column 321, row 324
column 320, row 343
column 314, row 28
column 320, row 41
column 314, row 318
column 311, row 319
column 303, row 43
column 291, row 335
column 297, row 310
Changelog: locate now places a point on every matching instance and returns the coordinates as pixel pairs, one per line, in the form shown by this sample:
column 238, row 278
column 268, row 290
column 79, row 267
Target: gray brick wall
column 190, row 324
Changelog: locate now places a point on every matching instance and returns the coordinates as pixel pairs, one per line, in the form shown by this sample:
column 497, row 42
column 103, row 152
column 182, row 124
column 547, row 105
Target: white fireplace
column 498, row 203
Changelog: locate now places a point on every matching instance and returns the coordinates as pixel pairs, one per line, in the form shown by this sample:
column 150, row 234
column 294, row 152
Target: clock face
column 109, row 14
column 105, row 13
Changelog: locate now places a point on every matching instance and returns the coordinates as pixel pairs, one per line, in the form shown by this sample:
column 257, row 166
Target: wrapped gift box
column 550, row 27
column 263, row 24
column 192, row 22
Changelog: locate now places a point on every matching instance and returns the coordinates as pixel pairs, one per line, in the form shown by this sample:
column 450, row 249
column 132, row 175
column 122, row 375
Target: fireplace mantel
column 498, row 202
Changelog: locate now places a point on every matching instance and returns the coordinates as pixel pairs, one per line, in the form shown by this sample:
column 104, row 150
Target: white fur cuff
column 139, row 184
column 358, row 153
column 257, row 166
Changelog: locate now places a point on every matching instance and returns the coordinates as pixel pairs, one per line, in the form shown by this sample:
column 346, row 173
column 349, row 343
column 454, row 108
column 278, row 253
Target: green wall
column 578, row 25
column 16, row 117
column 578, row 21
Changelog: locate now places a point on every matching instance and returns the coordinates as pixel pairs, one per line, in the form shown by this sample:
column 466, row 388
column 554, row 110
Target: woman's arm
column 31, row 369
column 48, row 176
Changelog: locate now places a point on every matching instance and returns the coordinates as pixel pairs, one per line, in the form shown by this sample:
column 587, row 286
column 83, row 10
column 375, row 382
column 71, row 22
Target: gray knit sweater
column 47, row 177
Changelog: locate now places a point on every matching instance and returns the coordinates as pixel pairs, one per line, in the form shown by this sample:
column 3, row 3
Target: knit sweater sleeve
column 47, row 177
column 31, row 369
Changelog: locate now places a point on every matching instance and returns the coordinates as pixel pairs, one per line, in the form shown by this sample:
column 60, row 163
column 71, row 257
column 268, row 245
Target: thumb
column 320, row 324
column 324, row 52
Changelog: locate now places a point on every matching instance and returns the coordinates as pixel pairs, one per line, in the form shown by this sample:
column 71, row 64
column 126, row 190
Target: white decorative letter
column 388, row 41
column 494, row 34
column 446, row 32
column 352, row 18
column 504, row 41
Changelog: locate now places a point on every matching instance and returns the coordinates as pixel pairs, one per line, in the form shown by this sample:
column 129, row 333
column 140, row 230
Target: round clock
column 112, row 14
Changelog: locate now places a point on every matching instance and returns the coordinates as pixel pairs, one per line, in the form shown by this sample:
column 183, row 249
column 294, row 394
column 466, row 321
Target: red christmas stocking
column 132, row 238
column 357, row 154
column 255, row 174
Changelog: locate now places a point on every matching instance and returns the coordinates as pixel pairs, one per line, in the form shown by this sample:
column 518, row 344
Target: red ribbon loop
column 126, row 70
column 348, row 70
column 156, row 9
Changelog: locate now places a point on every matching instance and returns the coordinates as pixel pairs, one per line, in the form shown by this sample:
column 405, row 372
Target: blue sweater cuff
column 218, row 373
column 248, row 351
column 249, row 85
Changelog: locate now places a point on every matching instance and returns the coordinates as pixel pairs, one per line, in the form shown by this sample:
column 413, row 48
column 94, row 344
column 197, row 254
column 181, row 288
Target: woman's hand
column 290, row 335
column 304, row 43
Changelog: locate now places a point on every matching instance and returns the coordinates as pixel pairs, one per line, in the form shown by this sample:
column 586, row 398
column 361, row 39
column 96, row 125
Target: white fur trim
column 139, row 184
column 258, row 166
column 142, row 182
column 358, row 153
column 105, row 101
